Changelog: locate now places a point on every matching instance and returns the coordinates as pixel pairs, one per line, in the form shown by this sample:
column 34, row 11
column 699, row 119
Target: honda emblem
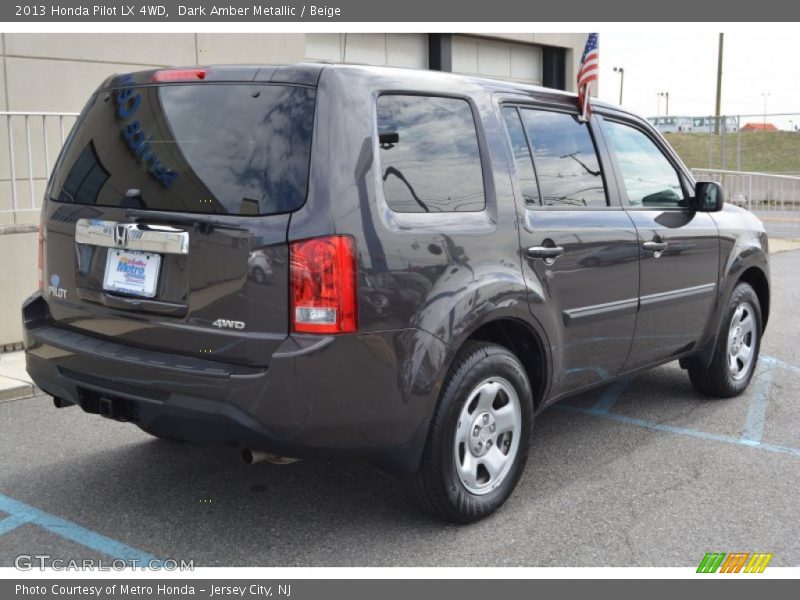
column 120, row 236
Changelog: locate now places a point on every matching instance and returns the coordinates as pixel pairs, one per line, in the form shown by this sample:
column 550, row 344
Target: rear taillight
column 169, row 75
column 41, row 252
column 323, row 280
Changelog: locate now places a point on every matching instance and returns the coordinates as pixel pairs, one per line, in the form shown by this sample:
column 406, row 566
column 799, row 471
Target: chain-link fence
column 755, row 143
column 755, row 157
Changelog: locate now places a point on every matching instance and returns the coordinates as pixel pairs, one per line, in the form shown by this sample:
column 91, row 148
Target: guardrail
column 29, row 144
column 774, row 198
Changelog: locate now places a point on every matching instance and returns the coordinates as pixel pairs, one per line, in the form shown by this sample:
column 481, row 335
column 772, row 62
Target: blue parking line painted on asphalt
column 696, row 433
column 24, row 513
column 11, row 522
column 759, row 399
column 782, row 363
column 610, row 396
column 754, row 426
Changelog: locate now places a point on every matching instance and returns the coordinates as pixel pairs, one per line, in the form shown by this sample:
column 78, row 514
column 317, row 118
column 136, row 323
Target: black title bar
column 172, row 11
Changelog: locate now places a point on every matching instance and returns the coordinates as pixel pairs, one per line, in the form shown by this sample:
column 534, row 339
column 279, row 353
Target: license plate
column 132, row 272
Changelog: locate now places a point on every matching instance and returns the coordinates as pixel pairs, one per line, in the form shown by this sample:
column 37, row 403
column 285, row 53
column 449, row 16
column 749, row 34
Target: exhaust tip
column 250, row 457
column 61, row 403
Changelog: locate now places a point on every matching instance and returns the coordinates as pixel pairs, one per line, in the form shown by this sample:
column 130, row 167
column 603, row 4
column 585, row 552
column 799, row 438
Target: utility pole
column 621, row 72
column 765, row 95
column 719, row 84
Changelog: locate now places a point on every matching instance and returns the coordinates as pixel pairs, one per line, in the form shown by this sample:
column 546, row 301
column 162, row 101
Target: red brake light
column 169, row 75
column 323, row 280
column 41, row 251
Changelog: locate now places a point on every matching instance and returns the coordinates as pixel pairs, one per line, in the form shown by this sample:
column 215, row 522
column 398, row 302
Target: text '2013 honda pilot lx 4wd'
column 403, row 266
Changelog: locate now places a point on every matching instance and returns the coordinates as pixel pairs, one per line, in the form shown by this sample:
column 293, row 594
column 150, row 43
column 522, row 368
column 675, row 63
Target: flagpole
column 588, row 72
column 585, row 106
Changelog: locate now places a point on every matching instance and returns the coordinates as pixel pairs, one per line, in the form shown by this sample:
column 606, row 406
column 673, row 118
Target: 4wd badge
column 228, row 324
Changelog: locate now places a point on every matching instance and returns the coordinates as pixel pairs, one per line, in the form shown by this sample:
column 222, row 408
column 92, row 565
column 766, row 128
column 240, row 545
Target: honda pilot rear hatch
column 169, row 208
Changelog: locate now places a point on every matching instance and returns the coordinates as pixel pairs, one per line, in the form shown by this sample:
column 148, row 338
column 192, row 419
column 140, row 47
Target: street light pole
column 765, row 95
column 621, row 71
column 665, row 95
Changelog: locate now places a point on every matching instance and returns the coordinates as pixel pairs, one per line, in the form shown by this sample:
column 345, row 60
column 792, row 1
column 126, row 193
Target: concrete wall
column 20, row 274
column 514, row 56
column 394, row 49
column 497, row 58
column 58, row 72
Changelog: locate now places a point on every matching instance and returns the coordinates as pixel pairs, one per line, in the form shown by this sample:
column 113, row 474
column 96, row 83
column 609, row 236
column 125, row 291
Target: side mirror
column 708, row 196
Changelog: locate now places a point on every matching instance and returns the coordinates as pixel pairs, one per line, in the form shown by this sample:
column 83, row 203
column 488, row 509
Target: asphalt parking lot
column 643, row 473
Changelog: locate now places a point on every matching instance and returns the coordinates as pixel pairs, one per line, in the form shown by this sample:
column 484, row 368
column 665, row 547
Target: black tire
column 718, row 380
column 436, row 487
column 258, row 275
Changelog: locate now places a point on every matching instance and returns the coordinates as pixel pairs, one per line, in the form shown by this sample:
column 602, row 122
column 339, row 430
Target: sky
column 685, row 65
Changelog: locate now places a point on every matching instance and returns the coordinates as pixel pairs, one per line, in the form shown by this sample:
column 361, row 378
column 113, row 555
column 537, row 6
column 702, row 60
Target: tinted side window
column 429, row 154
column 650, row 179
column 522, row 157
column 566, row 160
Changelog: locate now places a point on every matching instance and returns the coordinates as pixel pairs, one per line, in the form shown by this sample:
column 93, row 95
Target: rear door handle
column 655, row 246
column 551, row 252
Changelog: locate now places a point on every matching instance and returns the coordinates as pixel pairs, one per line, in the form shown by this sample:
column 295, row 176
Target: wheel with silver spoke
column 737, row 347
column 741, row 340
column 487, row 435
column 479, row 437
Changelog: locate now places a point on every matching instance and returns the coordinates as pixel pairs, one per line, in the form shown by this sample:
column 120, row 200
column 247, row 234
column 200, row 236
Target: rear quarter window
column 429, row 156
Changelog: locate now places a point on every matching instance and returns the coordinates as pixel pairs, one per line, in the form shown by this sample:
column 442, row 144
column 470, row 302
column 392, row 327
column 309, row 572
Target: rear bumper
column 367, row 395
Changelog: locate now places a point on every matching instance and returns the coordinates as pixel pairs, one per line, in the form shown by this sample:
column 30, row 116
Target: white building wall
column 59, row 71
column 394, row 49
column 497, row 58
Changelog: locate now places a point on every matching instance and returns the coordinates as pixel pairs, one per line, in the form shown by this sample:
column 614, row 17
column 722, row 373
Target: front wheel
column 737, row 347
column 479, row 438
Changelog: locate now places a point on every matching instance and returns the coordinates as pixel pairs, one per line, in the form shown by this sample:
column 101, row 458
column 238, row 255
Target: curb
column 12, row 389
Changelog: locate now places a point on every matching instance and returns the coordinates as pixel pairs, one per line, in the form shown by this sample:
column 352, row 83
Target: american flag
column 588, row 72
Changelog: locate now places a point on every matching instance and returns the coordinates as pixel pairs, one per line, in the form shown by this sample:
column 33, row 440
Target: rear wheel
column 258, row 275
column 479, row 438
column 736, row 350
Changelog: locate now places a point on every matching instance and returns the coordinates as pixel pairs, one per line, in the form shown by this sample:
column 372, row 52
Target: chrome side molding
column 163, row 239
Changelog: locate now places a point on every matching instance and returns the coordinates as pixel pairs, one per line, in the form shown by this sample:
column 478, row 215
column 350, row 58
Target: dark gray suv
column 403, row 266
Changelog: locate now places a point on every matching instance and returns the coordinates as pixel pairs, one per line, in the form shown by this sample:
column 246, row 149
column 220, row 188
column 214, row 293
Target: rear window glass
column 429, row 154
column 211, row 148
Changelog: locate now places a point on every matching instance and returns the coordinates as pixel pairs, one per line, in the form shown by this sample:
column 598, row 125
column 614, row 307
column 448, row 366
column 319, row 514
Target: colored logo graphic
column 132, row 269
column 55, row 280
column 734, row 562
